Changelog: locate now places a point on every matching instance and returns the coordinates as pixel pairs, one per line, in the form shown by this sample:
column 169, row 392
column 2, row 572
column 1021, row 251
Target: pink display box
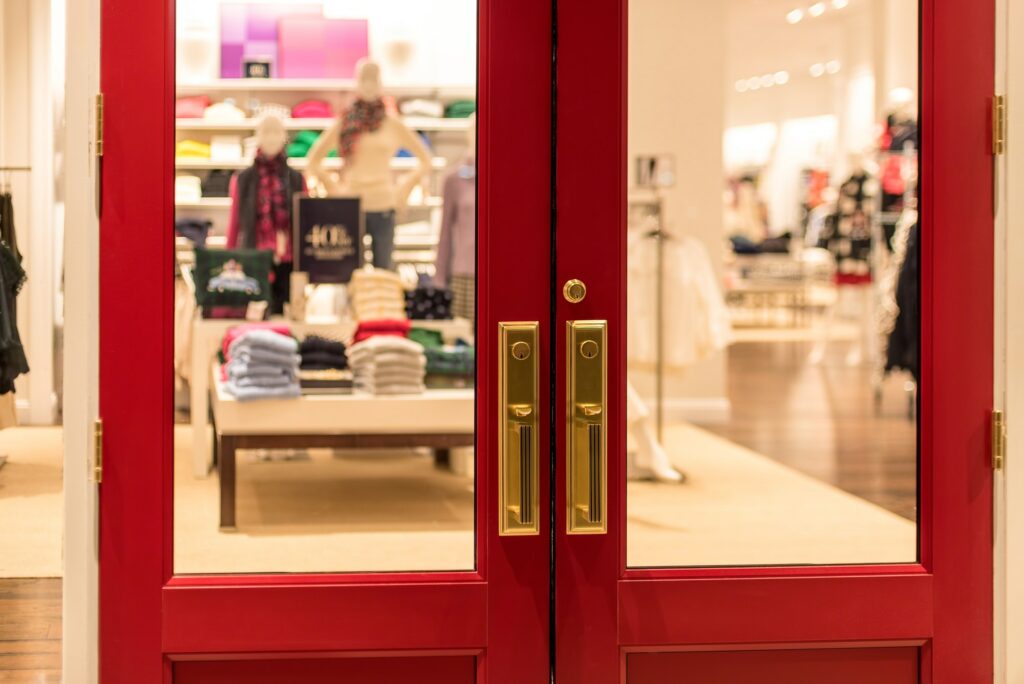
column 315, row 47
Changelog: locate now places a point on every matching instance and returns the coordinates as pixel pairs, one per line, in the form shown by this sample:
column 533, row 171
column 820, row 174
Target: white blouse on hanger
column 695, row 320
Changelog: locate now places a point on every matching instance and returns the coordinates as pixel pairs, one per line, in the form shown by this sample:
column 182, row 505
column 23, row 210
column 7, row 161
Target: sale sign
column 329, row 237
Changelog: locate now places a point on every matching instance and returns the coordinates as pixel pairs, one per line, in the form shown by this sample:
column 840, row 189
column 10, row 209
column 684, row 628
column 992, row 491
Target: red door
column 701, row 616
column 486, row 623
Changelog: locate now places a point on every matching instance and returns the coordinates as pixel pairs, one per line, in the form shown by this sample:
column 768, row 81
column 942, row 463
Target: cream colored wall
column 677, row 56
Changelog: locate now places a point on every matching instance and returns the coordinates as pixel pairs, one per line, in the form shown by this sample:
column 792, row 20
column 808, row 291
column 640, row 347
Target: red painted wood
column 835, row 666
column 144, row 612
column 324, row 618
column 794, row 609
column 958, row 54
column 433, row 670
column 947, row 598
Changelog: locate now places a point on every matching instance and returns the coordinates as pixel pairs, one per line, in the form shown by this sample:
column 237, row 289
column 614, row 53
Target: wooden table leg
column 442, row 458
column 226, row 453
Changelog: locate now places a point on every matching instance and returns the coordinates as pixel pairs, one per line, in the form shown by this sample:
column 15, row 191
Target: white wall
column 677, row 58
column 26, row 139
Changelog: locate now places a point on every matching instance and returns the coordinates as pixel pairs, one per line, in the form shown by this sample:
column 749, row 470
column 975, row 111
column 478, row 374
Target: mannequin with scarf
column 367, row 138
column 261, row 204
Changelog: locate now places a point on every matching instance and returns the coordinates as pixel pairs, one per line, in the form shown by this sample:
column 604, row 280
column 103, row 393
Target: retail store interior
column 324, row 313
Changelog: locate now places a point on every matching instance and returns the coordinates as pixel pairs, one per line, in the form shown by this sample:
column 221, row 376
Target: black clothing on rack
column 12, row 355
column 904, row 350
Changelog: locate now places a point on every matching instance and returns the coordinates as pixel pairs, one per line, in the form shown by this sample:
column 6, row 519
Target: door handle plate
column 518, row 484
column 587, row 429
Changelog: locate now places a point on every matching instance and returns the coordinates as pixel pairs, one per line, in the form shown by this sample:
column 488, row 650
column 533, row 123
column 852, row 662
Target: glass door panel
column 325, row 230
column 773, row 283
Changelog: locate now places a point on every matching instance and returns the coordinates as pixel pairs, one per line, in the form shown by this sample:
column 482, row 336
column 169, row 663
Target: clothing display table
column 206, row 339
column 441, row 419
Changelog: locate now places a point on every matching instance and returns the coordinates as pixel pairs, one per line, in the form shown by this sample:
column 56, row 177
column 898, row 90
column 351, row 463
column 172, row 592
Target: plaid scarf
column 361, row 117
column 271, row 205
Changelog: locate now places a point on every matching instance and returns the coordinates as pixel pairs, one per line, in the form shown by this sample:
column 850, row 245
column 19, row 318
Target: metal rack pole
column 659, row 380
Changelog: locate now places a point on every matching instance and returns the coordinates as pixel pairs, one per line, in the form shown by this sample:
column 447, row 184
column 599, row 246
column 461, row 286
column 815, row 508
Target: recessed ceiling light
column 753, row 83
column 741, row 86
column 832, row 66
column 817, row 9
column 794, row 16
column 767, row 81
column 817, row 69
column 840, row 4
column 781, row 77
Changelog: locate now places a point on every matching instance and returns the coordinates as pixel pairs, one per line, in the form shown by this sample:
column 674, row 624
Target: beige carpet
column 395, row 511
column 365, row 511
column 740, row 508
column 31, row 508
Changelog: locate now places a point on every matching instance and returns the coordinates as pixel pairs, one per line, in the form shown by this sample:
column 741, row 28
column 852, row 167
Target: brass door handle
column 518, row 486
column 587, row 453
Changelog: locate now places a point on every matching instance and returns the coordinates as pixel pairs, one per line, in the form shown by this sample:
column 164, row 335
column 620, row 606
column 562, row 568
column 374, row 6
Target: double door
column 577, row 553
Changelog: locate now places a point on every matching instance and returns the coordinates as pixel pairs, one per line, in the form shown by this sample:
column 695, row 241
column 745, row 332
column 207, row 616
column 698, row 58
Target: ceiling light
column 767, row 81
column 741, row 86
column 832, row 66
column 817, row 9
column 781, row 77
column 753, row 83
column 817, row 69
column 794, row 16
column 840, row 4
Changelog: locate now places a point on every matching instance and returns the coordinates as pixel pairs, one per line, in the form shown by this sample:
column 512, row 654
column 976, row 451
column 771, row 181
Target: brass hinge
column 99, row 124
column 97, row 451
column 998, row 439
column 998, row 124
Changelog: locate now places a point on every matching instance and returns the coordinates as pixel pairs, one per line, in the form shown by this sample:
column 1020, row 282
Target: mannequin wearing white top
column 366, row 170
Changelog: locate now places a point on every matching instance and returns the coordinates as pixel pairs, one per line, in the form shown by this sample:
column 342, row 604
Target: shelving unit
column 281, row 85
column 300, row 163
column 416, row 236
column 416, row 123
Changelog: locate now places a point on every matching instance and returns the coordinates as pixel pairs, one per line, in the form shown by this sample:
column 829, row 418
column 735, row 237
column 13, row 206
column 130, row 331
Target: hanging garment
column 456, row 245
column 12, row 355
column 7, row 233
column 904, row 350
column 695, row 317
column 847, row 234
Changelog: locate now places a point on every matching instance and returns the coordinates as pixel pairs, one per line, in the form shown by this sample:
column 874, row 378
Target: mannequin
column 261, row 204
column 649, row 461
column 455, row 266
column 367, row 138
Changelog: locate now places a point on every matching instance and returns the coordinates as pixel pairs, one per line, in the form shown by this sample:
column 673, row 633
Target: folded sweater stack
column 386, row 364
column 321, row 353
column 262, row 364
column 376, row 294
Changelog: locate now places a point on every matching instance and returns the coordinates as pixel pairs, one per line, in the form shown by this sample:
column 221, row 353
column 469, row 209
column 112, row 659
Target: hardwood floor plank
column 30, row 631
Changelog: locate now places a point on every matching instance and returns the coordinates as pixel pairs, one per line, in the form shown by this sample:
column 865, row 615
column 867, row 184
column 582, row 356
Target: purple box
column 250, row 31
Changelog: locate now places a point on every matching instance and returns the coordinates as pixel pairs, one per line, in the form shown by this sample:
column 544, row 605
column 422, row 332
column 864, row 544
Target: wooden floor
column 30, row 631
column 822, row 420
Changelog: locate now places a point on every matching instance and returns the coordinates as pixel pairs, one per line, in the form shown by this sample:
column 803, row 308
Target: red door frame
column 150, row 619
column 943, row 604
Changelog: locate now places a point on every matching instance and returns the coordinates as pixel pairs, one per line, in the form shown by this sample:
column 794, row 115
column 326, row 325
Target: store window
column 773, row 282
column 325, row 229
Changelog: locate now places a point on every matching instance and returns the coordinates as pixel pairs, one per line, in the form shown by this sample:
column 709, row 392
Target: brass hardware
column 587, row 454
column 99, row 124
column 518, row 484
column 998, row 124
column 574, row 291
column 97, row 451
column 998, row 439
